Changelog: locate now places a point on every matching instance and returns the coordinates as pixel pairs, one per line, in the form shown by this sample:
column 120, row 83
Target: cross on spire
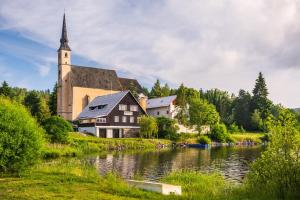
column 64, row 37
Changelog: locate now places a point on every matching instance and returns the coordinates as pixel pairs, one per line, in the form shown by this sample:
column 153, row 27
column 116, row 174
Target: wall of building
column 79, row 98
column 168, row 111
column 131, row 132
column 160, row 112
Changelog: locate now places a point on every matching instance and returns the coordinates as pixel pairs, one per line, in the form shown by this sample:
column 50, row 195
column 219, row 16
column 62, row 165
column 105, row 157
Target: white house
column 162, row 107
column 166, row 107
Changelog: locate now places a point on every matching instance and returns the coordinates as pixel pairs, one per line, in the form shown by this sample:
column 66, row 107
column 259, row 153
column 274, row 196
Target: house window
column 122, row 107
column 116, row 119
column 157, row 113
column 124, row 119
column 133, row 108
column 131, row 119
column 167, row 112
column 101, row 120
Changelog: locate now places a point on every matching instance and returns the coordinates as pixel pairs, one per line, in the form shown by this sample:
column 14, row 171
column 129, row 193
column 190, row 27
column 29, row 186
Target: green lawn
column 74, row 179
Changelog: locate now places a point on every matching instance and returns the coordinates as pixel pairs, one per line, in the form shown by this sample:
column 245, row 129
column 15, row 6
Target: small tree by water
column 148, row 127
column 278, row 170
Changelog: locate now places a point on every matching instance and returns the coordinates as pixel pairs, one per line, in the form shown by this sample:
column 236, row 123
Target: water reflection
column 232, row 162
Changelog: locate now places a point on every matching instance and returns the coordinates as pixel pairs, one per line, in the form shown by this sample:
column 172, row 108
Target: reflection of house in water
column 231, row 162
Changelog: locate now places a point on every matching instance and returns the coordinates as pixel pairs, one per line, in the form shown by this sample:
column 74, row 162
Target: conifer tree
column 156, row 90
column 260, row 99
column 5, row 90
column 53, row 100
column 165, row 90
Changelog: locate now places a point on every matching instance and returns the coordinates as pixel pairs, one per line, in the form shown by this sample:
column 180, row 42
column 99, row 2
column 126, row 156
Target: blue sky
column 203, row 44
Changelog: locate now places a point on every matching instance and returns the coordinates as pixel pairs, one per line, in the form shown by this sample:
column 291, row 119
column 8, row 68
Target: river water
column 232, row 162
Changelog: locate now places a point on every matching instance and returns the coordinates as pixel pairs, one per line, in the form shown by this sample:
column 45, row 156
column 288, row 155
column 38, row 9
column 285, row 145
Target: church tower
column 64, row 96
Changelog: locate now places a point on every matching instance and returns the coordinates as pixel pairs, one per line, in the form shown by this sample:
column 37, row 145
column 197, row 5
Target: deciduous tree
column 203, row 113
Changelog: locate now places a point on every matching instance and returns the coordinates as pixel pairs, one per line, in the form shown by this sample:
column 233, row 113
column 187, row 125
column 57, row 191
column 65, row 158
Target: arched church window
column 66, row 55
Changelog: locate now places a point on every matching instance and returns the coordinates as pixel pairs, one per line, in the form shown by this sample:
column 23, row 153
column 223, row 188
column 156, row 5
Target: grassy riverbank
column 75, row 179
column 237, row 138
column 80, row 145
column 248, row 137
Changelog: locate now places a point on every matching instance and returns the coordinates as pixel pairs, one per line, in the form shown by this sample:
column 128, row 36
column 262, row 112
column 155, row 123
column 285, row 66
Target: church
column 77, row 86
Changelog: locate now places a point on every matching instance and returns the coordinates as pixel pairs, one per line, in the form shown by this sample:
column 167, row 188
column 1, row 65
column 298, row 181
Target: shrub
column 231, row 140
column 57, row 129
column 203, row 139
column 167, row 128
column 21, row 139
column 233, row 128
column 148, row 127
column 277, row 171
column 219, row 133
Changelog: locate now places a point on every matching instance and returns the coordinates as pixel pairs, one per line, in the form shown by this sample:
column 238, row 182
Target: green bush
column 148, row 126
column 21, row 139
column 167, row 128
column 233, row 128
column 219, row 133
column 277, row 171
column 57, row 129
column 203, row 139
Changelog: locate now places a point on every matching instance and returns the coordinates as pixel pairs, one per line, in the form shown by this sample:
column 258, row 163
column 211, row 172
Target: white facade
column 168, row 111
column 162, row 107
column 109, row 130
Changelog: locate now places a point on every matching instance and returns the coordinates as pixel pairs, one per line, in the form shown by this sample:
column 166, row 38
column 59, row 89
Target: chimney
column 143, row 101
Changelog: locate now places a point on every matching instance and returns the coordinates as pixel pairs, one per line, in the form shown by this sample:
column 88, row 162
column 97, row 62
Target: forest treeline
column 250, row 111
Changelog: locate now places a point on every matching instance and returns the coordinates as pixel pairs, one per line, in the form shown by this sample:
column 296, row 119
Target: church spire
column 64, row 37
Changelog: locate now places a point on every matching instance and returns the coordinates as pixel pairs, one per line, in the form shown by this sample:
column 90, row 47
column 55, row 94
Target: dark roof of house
column 95, row 78
column 128, row 83
column 110, row 101
column 90, row 77
column 106, row 104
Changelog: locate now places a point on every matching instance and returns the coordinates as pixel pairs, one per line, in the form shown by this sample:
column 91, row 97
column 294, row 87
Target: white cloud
column 204, row 44
column 43, row 70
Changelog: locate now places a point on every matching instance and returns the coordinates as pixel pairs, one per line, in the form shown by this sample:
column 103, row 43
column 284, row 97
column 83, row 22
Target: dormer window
column 99, row 107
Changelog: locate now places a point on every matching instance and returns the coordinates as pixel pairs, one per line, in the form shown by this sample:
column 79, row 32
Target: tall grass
column 248, row 137
column 71, row 178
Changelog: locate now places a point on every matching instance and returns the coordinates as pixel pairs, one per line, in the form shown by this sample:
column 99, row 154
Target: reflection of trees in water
column 154, row 164
column 231, row 161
